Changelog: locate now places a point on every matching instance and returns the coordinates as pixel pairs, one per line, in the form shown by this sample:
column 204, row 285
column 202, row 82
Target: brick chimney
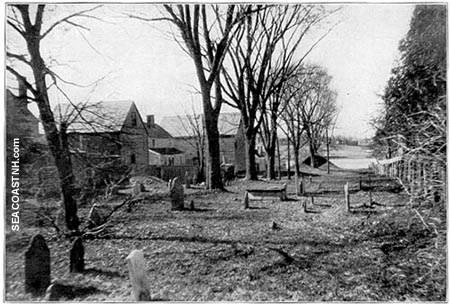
column 150, row 121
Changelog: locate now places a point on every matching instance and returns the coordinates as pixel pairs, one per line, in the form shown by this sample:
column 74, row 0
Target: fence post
column 138, row 276
column 347, row 197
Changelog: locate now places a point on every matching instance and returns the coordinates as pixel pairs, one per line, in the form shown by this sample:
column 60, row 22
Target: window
column 133, row 119
column 133, row 159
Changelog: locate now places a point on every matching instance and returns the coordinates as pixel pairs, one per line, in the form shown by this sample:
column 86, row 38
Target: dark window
column 133, row 119
column 133, row 159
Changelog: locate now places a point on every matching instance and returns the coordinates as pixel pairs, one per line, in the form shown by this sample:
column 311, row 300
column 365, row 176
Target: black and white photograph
column 225, row 152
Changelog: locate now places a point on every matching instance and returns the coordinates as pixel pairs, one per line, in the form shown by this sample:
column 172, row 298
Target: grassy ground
column 274, row 251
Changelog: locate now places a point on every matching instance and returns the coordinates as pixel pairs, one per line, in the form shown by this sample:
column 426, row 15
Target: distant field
column 351, row 157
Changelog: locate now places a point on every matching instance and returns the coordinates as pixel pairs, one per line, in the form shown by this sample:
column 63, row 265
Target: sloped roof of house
column 157, row 131
column 99, row 117
column 182, row 126
column 166, row 151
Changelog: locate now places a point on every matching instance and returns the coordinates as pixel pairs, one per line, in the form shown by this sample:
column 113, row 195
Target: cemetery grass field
column 274, row 251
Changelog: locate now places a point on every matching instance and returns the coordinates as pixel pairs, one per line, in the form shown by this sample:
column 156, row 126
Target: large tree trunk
column 251, row 172
column 297, row 171
column 270, row 159
column 213, row 177
column 58, row 145
column 271, row 146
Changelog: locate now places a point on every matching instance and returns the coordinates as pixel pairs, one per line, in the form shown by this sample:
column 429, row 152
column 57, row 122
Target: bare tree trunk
column 297, row 163
column 213, row 176
column 279, row 159
column 289, row 158
column 250, row 159
column 270, row 163
column 57, row 142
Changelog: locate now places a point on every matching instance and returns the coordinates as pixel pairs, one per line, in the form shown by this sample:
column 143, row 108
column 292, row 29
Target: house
column 188, row 132
column 106, row 131
column 166, row 157
column 20, row 121
column 157, row 136
column 161, row 146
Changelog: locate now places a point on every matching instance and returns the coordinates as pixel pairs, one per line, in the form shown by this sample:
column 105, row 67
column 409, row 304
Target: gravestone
column 246, row 201
column 136, row 190
column 77, row 256
column 301, row 188
column 194, row 179
column 284, row 196
column 138, row 276
column 37, row 265
column 176, row 191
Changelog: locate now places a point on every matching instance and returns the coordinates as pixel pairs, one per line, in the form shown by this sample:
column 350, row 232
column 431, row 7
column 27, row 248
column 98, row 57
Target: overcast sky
column 141, row 62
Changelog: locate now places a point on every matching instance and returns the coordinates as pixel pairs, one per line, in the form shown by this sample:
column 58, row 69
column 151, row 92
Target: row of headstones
column 176, row 192
column 38, row 272
column 37, row 263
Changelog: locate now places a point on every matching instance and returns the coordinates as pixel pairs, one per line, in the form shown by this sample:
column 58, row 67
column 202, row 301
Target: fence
column 414, row 168
column 418, row 172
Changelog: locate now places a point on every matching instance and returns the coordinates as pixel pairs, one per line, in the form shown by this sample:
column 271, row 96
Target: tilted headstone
column 77, row 256
column 37, row 265
column 136, row 189
column 138, row 276
column 176, row 191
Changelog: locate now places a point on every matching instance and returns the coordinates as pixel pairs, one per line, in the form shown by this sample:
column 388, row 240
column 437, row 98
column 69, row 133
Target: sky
column 140, row 61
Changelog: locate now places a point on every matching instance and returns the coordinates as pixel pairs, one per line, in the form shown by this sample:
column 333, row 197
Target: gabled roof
column 166, row 151
column 182, row 126
column 157, row 131
column 99, row 117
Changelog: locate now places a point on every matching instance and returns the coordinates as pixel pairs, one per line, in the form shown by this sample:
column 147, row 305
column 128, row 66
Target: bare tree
column 31, row 30
column 194, row 127
column 291, row 124
column 262, row 55
column 318, row 111
column 206, row 32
